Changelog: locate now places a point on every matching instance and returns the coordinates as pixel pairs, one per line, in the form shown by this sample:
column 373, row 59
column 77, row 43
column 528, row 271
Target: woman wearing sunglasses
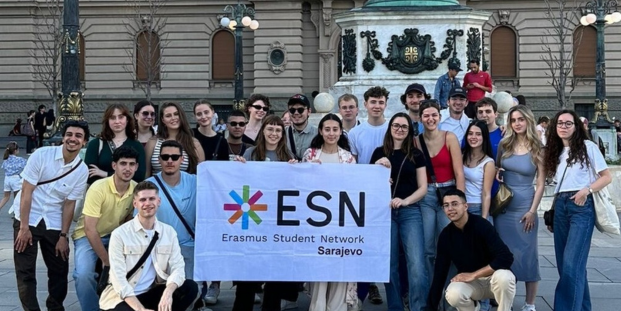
column 117, row 130
column 408, row 187
column 144, row 114
column 173, row 125
column 214, row 145
column 257, row 108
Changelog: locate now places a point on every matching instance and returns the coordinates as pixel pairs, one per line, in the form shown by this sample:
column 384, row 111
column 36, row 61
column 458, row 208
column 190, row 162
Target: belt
column 444, row 184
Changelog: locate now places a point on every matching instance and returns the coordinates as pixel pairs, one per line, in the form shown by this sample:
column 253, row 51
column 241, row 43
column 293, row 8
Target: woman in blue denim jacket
column 579, row 170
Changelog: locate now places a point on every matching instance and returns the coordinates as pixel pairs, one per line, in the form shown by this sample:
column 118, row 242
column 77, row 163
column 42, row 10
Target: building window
column 585, row 51
column 585, row 110
column 148, row 57
column 223, row 57
column 82, row 58
column 504, row 53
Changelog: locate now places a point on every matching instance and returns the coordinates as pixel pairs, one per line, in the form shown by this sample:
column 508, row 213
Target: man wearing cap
column 445, row 83
column 300, row 133
column 454, row 119
column 414, row 94
column 477, row 82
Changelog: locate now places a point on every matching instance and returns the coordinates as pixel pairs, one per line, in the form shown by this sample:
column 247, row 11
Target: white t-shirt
column 474, row 181
column 543, row 133
column 148, row 273
column 364, row 138
column 577, row 177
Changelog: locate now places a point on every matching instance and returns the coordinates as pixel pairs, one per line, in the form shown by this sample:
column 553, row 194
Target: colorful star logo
column 245, row 207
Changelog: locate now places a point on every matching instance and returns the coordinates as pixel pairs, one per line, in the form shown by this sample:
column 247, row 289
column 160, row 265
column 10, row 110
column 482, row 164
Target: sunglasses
column 258, row 107
column 299, row 110
column 240, row 124
column 166, row 157
column 147, row 114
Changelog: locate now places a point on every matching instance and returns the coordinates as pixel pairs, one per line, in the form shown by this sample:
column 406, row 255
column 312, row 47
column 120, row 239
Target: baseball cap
column 415, row 87
column 454, row 67
column 298, row 99
column 458, row 91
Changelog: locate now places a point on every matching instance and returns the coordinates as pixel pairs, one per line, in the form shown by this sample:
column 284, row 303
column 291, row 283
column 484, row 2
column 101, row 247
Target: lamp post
column 239, row 17
column 600, row 13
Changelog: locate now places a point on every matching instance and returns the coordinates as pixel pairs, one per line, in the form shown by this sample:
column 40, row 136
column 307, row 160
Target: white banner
column 260, row 221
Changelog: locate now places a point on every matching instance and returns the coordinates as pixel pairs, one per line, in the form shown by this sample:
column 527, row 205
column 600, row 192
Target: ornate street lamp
column 600, row 13
column 239, row 17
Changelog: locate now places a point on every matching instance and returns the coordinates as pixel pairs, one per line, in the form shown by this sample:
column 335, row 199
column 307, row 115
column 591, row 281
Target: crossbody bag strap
column 292, row 143
column 428, row 159
column 398, row 176
column 562, row 178
column 61, row 176
column 144, row 256
column 174, row 206
column 215, row 153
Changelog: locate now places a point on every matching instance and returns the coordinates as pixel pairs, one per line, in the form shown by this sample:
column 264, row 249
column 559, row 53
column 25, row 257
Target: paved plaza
column 604, row 272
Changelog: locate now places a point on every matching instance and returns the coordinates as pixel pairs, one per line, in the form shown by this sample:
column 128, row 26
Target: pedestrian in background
column 13, row 165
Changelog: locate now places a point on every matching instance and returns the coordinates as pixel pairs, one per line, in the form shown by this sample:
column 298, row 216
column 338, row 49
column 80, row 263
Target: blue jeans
column 434, row 220
column 573, row 229
column 406, row 229
column 84, row 273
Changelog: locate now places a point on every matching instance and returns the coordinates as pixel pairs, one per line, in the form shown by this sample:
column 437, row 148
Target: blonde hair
column 510, row 138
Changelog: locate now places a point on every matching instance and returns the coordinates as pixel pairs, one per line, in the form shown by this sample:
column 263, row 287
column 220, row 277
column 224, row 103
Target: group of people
column 138, row 219
column 37, row 123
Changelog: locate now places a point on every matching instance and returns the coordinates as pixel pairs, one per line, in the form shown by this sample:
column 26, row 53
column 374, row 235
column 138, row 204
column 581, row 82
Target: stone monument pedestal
column 609, row 138
column 371, row 59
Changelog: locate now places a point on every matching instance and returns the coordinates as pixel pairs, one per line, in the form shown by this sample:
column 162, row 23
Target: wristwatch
column 590, row 190
column 64, row 235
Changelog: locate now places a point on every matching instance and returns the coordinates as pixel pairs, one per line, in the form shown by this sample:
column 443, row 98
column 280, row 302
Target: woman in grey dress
column 520, row 160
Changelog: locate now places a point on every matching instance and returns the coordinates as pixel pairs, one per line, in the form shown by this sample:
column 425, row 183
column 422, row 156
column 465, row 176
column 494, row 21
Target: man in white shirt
column 364, row 138
column 54, row 178
column 348, row 108
column 157, row 283
column 454, row 119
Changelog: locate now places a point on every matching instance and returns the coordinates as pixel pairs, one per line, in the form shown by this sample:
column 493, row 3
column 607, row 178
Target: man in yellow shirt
column 107, row 205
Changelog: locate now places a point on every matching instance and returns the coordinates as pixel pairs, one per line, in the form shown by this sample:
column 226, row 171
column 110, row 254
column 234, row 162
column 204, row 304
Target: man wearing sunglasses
column 178, row 203
column 300, row 133
column 236, row 125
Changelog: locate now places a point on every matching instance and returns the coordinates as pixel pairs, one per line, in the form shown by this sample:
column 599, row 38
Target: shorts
column 13, row 183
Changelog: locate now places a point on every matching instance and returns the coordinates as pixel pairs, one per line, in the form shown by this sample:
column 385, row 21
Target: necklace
column 241, row 149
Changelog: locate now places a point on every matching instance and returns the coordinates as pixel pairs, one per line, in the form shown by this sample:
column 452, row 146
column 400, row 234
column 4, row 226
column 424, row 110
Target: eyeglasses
column 147, row 114
column 403, row 127
column 299, row 110
column 452, row 205
column 567, row 124
column 166, row 157
column 259, row 107
column 234, row 124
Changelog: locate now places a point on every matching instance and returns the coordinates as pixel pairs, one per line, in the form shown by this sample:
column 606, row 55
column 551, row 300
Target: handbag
column 174, row 206
column 548, row 216
column 503, row 196
column 27, row 129
column 440, row 191
column 606, row 218
column 102, row 283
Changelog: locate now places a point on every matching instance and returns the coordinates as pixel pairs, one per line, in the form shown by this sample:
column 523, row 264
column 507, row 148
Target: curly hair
column 184, row 135
column 554, row 145
column 511, row 138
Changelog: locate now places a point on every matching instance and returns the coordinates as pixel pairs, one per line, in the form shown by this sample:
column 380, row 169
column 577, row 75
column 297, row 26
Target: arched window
column 147, row 57
column 585, row 51
column 223, row 56
column 82, row 58
column 504, row 53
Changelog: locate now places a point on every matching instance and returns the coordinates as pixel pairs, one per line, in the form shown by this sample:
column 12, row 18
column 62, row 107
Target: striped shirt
column 156, row 167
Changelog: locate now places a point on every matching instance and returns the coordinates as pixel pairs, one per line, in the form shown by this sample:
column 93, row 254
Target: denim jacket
column 443, row 88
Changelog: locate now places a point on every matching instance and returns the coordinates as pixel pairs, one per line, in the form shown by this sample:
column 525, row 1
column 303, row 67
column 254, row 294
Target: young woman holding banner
column 408, row 180
column 329, row 146
column 271, row 146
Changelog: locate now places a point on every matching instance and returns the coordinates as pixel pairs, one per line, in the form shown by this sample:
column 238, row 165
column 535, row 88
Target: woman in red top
column 444, row 170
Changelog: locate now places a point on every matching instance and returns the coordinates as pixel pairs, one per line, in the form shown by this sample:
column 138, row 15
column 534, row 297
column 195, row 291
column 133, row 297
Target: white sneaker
column 286, row 304
column 257, row 299
column 528, row 307
column 212, row 294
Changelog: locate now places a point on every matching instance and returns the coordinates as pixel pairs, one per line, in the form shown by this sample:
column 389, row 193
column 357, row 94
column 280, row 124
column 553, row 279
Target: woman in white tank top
column 479, row 168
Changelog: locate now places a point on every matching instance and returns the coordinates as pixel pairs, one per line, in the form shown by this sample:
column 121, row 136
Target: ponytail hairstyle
column 11, row 148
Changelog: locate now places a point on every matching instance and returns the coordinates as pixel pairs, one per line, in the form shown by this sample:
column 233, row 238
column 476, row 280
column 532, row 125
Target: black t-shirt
column 209, row 146
column 407, row 184
column 39, row 120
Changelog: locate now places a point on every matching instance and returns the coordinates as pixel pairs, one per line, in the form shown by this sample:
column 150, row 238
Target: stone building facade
column 198, row 55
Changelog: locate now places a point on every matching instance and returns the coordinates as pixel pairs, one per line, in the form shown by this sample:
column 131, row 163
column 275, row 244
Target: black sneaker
column 374, row 295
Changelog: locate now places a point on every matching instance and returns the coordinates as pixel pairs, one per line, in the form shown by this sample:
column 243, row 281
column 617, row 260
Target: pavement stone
column 604, row 271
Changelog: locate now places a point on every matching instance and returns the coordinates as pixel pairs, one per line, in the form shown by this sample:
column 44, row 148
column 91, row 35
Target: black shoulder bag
column 174, row 206
column 105, row 273
column 548, row 216
column 440, row 191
